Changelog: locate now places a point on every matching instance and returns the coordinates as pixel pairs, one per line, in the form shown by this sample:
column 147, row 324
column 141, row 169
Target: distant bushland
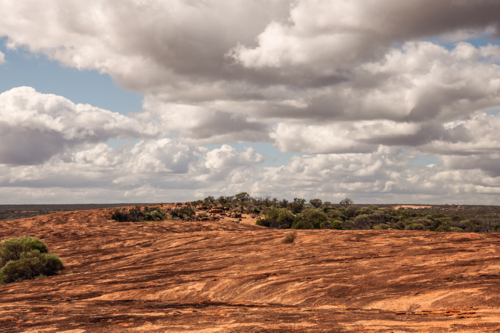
column 319, row 214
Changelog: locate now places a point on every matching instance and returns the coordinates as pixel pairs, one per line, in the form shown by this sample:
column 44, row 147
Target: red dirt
column 228, row 277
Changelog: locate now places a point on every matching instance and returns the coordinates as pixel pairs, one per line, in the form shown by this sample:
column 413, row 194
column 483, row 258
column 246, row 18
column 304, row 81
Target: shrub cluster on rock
column 151, row 214
column 26, row 258
column 137, row 214
column 316, row 214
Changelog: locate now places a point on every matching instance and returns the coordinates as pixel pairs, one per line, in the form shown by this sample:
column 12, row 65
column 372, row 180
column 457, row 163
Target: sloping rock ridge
column 222, row 276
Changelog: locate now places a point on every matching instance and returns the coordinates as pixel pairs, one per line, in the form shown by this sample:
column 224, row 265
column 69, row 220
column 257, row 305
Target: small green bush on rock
column 31, row 265
column 13, row 248
column 135, row 214
column 26, row 258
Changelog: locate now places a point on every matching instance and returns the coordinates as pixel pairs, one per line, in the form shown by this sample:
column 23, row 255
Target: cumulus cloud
column 215, row 50
column 175, row 171
column 161, row 165
column 353, row 81
column 2, row 58
column 204, row 124
column 325, row 36
column 34, row 126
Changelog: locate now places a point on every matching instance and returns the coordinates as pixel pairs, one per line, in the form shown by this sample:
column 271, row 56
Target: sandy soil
column 235, row 277
column 410, row 206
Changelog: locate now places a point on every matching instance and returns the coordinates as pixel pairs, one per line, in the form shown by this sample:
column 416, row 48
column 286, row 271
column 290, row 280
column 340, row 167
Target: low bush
column 445, row 227
column 302, row 225
column 135, row 214
column 279, row 218
column 415, row 226
column 13, row 248
column 336, row 225
column 362, row 221
column 381, row 226
column 348, row 225
column 27, row 259
column 184, row 213
column 311, row 218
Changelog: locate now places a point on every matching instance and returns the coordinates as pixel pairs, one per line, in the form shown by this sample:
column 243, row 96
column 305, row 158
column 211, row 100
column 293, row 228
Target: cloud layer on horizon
column 353, row 81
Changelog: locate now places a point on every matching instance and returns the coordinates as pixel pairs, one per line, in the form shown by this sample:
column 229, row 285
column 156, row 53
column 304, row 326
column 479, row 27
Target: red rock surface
column 235, row 277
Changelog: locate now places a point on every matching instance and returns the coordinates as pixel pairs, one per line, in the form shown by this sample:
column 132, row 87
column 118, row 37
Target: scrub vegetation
column 26, row 258
column 316, row 214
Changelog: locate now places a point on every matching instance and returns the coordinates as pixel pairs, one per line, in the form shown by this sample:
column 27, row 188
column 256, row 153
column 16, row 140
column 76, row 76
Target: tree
column 316, row 202
column 278, row 218
column 297, row 205
column 316, row 217
column 283, row 203
column 243, row 196
column 346, row 202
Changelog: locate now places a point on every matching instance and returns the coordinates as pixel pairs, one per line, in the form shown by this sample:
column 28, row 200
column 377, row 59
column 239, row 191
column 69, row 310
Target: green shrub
column 184, row 213
column 297, row 205
column 26, row 258
column 278, row 218
column 316, row 202
column 348, row 225
column 332, row 213
column 136, row 214
column 352, row 211
column 455, row 229
column 13, row 248
column 362, row 222
column 415, row 226
column 315, row 216
column 133, row 215
column 32, row 264
column 424, row 222
column 155, row 214
column 325, row 225
column 381, row 226
column 300, row 222
column 445, row 227
column 336, row 225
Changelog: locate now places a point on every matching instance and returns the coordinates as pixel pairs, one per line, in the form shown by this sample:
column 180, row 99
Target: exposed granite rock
column 229, row 277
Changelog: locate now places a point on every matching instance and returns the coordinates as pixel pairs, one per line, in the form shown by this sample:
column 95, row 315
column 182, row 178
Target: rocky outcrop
column 176, row 276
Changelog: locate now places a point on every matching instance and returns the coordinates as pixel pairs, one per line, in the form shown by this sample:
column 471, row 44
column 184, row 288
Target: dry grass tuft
column 289, row 237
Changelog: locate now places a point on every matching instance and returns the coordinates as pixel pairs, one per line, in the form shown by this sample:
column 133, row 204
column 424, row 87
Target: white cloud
column 167, row 170
column 353, row 81
column 2, row 58
column 204, row 124
column 325, row 36
column 34, row 126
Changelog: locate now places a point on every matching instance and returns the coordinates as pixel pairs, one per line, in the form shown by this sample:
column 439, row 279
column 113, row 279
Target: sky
column 383, row 101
